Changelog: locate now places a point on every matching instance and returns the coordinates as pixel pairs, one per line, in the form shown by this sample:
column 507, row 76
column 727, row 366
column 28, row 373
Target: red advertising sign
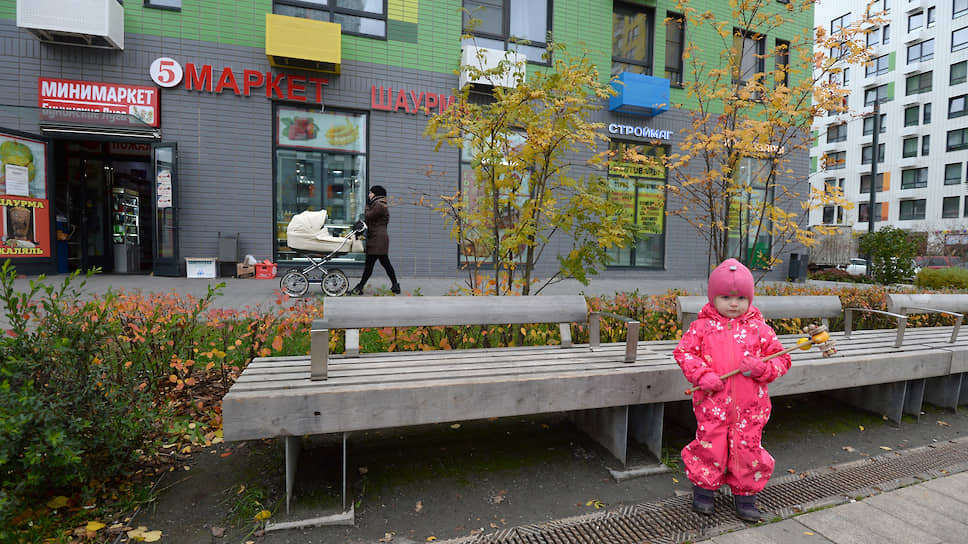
column 92, row 96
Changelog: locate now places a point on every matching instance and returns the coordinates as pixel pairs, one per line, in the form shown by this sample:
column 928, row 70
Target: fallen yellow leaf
column 808, row 533
column 455, row 426
column 431, row 538
column 944, row 423
column 861, row 427
column 263, row 515
column 885, row 448
column 152, row 536
column 675, row 480
column 59, row 501
column 95, row 526
column 387, row 537
column 418, row 507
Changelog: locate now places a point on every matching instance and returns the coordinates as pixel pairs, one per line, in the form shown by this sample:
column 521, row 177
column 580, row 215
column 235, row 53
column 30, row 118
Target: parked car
column 938, row 261
column 856, row 267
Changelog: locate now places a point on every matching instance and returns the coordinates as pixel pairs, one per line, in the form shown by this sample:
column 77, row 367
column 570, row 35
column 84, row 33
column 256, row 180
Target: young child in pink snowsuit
column 729, row 333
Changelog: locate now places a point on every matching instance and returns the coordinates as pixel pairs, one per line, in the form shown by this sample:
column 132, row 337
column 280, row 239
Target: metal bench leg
column 954, row 331
column 292, row 460
column 914, row 398
column 343, row 492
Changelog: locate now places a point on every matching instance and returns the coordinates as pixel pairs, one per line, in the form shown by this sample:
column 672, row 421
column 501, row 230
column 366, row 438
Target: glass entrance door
column 94, row 186
column 164, row 158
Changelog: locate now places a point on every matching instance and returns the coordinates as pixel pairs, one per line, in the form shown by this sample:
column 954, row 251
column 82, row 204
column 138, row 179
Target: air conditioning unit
column 482, row 58
column 86, row 23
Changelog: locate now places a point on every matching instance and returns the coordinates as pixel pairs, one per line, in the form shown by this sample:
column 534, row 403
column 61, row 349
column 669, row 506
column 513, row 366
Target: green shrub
column 66, row 417
column 942, row 278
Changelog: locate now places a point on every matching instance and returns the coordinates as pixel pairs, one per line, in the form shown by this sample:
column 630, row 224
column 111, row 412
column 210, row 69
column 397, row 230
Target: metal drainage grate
column 672, row 521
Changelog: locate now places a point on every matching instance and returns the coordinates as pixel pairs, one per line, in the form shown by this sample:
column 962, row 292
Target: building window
column 959, row 73
column 880, row 65
column 952, row 173
column 316, row 174
column 918, row 84
column 925, row 145
column 359, row 17
column 675, row 46
column 949, row 206
column 915, row 21
column 909, row 147
column 174, row 5
column 959, row 8
column 956, row 106
column 959, row 39
column 927, row 114
column 515, row 25
column 642, row 191
column 837, row 133
column 782, row 63
column 914, row 178
column 865, row 154
column 632, row 39
column 911, row 209
column 834, row 161
column 912, row 114
column 957, row 139
column 869, row 124
column 833, row 214
column 750, row 49
column 919, row 19
column 920, row 52
column 876, row 95
column 886, row 34
column 865, row 183
column 838, row 24
column 862, row 209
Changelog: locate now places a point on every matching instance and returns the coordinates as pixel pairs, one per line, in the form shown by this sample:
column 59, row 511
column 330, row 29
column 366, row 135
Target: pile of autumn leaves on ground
column 100, row 394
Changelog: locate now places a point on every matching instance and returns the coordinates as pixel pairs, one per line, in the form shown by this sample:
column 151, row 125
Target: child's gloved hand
column 711, row 383
column 752, row 366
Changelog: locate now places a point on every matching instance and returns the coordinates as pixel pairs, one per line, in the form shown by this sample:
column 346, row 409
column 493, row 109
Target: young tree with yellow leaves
column 753, row 104
column 519, row 146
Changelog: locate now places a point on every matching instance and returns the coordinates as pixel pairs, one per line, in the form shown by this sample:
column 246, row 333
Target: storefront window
column 749, row 232
column 24, row 206
column 320, row 164
column 477, row 223
column 640, row 186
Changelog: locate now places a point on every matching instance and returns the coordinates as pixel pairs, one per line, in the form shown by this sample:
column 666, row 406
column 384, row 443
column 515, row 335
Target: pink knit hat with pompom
column 731, row 278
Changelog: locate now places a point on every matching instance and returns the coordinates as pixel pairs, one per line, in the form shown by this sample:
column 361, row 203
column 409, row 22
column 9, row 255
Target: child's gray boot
column 746, row 508
column 702, row 500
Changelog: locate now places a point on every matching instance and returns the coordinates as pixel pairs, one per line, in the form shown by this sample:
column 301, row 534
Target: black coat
column 377, row 217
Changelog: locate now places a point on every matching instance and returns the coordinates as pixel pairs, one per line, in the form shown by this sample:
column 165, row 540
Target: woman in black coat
column 377, row 217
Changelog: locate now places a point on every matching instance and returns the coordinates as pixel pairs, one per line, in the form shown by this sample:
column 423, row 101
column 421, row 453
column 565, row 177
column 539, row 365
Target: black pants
column 368, row 269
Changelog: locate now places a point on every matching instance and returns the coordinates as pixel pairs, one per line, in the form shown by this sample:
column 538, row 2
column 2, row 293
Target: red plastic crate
column 265, row 270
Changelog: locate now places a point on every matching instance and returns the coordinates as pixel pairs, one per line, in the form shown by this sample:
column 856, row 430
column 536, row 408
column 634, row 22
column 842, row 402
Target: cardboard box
column 200, row 267
column 265, row 270
column 244, row 270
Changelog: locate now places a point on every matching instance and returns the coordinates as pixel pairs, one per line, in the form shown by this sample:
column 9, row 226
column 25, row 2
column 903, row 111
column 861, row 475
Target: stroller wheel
column 294, row 283
column 335, row 283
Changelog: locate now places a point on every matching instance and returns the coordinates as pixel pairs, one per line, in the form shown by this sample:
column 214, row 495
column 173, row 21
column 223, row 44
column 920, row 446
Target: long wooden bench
column 327, row 393
column 614, row 400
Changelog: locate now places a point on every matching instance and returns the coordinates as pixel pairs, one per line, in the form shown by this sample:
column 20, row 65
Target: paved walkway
column 932, row 512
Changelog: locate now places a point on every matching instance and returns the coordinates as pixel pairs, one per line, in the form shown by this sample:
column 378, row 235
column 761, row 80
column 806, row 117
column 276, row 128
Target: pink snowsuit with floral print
column 730, row 422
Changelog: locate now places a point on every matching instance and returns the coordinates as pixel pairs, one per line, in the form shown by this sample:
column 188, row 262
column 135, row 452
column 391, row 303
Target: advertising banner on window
column 24, row 207
column 321, row 130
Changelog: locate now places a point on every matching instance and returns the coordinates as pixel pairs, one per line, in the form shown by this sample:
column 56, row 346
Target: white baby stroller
column 308, row 235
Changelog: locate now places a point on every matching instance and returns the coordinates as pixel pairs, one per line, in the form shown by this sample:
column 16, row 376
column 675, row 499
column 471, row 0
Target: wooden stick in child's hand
column 818, row 336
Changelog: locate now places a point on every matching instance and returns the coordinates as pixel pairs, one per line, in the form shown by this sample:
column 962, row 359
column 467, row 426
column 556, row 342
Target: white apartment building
column 919, row 76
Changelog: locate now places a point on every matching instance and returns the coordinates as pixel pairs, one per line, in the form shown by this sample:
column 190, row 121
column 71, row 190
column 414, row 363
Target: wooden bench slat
column 379, row 312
